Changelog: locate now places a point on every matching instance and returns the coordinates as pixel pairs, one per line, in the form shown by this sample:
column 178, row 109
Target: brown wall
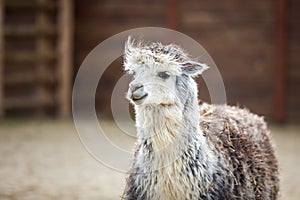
column 239, row 35
column 98, row 20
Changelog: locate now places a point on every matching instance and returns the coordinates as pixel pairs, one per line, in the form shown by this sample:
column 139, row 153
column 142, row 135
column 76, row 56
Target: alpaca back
column 243, row 142
column 243, row 164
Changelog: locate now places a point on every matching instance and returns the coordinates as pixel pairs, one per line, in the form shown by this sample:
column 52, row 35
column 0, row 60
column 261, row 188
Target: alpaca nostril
column 136, row 87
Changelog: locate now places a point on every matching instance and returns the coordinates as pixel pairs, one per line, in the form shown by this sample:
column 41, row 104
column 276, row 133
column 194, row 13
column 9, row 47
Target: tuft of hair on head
column 137, row 52
column 128, row 51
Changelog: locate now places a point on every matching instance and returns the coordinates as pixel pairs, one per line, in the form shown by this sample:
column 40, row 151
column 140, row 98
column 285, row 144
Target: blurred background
column 255, row 44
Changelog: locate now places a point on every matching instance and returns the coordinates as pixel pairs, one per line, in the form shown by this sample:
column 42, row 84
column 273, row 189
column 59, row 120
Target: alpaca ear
column 128, row 53
column 193, row 68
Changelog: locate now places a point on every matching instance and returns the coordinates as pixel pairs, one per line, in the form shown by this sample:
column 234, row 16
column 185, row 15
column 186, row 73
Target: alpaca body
column 245, row 169
column 186, row 151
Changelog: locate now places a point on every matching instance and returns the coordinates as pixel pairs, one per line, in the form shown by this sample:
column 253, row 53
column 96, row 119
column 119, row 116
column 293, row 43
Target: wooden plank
column 1, row 57
column 33, row 102
column 172, row 14
column 43, row 45
column 196, row 17
column 29, row 30
column 65, row 41
column 281, row 62
column 30, row 57
column 141, row 9
column 88, row 34
column 230, row 6
column 28, row 78
column 17, row 5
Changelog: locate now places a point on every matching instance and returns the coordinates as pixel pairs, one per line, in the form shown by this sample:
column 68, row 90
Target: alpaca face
column 158, row 72
column 152, row 86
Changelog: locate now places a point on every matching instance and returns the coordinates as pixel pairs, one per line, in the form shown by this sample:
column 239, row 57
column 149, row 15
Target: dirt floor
column 46, row 160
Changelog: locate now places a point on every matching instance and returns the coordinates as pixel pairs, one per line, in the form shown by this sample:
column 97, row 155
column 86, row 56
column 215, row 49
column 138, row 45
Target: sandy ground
column 46, row 160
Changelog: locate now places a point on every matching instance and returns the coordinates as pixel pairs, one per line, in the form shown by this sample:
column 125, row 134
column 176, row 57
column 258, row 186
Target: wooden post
column 172, row 14
column 65, row 28
column 1, row 57
column 281, row 61
column 43, row 47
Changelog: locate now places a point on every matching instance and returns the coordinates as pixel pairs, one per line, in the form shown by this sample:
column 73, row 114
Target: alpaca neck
column 168, row 138
column 159, row 124
column 169, row 128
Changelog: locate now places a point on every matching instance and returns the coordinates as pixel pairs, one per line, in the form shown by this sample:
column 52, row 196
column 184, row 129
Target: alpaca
column 189, row 151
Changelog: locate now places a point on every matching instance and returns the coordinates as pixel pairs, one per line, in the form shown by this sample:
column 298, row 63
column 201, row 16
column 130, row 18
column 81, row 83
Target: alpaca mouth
column 138, row 99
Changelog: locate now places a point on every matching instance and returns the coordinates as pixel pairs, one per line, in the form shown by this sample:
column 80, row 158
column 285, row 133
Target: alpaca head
column 162, row 74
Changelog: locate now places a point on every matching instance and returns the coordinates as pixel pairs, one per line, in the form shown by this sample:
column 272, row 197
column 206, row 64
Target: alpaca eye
column 164, row 75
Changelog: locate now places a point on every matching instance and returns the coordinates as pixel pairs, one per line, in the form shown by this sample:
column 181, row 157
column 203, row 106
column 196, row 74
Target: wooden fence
column 255, row 45
column 36, row 55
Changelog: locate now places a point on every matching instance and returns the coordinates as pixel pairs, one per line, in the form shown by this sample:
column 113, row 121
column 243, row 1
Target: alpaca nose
column 137, row 92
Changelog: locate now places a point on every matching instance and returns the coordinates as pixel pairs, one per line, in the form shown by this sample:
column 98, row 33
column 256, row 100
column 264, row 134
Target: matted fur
column 187, row 151
column 244, row 141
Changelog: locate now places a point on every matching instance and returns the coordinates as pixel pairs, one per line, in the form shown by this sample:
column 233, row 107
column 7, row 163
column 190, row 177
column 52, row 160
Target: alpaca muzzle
column 137, row 93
